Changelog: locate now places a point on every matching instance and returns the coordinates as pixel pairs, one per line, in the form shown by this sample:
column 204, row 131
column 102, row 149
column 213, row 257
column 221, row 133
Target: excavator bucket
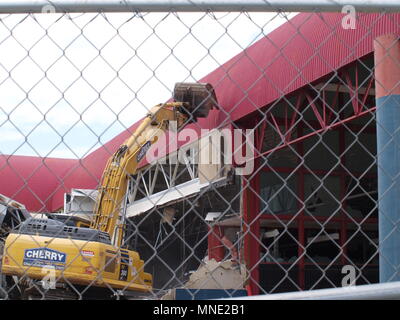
column 200, row 97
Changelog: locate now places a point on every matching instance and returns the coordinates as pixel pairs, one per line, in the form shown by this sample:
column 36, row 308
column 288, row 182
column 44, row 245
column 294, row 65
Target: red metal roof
column 298, row 52
column 33, row 180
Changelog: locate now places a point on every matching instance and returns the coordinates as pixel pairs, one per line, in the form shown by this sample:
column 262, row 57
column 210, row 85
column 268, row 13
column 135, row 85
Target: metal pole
column 387, row 85
column 38, row 6
column 381, row 291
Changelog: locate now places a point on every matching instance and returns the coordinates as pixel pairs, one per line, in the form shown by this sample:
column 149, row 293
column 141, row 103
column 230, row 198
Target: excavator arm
column 193, row 100
column 125, row 161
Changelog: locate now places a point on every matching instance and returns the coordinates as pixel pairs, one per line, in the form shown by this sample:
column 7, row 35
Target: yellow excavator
column 83, row 262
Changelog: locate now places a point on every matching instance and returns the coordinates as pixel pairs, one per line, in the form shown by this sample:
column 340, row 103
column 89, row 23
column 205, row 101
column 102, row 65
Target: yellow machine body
column 77, row 261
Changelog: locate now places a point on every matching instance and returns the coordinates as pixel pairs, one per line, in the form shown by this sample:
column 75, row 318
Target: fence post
column 387, row 85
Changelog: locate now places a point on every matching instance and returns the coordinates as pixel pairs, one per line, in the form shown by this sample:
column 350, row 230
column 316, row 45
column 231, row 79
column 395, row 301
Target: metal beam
column 365, row 292
column 343, row 88
column 38, row 6
column 315, row 132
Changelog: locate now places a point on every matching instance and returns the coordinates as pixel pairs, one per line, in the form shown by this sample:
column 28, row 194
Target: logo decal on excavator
column 44, row 257
column 143, row 151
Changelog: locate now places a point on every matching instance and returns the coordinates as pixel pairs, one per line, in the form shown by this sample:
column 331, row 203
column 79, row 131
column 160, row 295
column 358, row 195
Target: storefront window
column 277, row 192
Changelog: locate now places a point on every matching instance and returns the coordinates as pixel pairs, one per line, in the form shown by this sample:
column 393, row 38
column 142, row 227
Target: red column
column 251, row 228
column 343, row 223
column 301, row 216
column 215, row 246
column 301, row 233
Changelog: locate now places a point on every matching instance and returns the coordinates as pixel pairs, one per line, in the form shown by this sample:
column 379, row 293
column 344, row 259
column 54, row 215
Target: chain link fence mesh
column 276, row 190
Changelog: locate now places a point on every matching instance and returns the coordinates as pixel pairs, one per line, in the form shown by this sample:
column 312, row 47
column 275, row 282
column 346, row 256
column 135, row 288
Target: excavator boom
column 192, row 100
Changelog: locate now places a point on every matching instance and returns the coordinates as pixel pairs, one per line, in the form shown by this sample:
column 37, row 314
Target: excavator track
column 33, row 293
column 34, row 290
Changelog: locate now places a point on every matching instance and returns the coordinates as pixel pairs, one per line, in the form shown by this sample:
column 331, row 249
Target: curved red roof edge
column 298, row 52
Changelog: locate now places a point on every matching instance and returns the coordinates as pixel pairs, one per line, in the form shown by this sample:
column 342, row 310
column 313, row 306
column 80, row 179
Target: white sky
column 61, row 97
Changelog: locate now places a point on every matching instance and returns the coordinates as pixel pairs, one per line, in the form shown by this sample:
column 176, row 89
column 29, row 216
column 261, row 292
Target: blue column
column 387, row 88
column 388, row 151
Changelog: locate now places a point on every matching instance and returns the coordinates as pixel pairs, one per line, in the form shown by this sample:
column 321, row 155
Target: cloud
column 78, row 80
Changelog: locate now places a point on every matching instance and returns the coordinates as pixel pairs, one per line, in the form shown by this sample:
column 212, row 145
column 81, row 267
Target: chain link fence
column 285, row 180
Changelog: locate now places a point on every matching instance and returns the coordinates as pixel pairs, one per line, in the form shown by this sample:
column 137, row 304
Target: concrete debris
column 168, row 215
column 214, row 275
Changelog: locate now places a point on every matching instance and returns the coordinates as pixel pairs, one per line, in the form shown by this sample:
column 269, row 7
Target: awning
column 169, row 196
